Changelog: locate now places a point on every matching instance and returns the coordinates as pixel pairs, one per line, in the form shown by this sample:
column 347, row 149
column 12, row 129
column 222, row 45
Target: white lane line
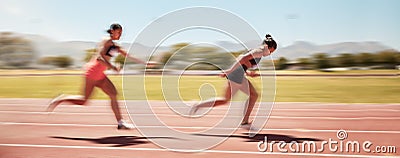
column 209, row 115
column 191, row 127
column 204, row 151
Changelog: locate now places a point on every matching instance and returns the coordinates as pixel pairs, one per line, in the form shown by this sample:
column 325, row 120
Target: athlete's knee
column 254, row 95
column 113, row 95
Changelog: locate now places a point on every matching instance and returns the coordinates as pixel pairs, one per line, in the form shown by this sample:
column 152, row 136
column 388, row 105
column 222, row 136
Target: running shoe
column 123, row 125
column 246, row 125
column 53, row 103
column 193, row 110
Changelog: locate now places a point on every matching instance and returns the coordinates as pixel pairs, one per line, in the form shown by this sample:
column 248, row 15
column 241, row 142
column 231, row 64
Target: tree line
column 387, row 59
column 16, row 52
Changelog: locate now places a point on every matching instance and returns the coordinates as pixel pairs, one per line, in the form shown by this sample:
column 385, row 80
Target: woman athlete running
column 237, row 80
column 95, row 77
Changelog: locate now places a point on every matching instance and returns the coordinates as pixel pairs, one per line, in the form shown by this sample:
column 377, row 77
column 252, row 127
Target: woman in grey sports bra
column 238, row 81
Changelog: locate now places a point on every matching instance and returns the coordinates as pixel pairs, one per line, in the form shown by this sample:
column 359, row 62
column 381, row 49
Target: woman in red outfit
column 95, row 77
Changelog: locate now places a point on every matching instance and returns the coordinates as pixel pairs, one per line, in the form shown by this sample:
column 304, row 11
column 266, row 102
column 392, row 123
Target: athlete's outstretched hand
column 117, row 67
column 152, row 64
column 223, row 74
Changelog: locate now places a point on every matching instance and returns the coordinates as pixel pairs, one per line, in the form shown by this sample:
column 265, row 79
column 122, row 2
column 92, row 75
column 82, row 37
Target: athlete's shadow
column 262, row 137
column 117, row 141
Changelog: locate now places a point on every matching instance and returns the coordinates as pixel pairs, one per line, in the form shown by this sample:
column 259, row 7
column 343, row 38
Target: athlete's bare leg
column 108, row 87
column 229, row 92
column 74, row 99
column 253, row 96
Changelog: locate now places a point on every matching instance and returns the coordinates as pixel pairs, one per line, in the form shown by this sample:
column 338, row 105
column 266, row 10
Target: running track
column 88, row 132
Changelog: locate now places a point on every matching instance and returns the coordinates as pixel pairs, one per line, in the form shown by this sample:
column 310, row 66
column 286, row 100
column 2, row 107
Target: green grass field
column 288, row 89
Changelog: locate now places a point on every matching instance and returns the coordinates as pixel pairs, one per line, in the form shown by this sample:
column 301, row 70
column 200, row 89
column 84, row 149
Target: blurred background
column 330, row 51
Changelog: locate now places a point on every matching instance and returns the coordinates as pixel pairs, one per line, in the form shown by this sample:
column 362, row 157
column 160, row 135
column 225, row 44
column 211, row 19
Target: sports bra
column 110, row 49
column 253, row 62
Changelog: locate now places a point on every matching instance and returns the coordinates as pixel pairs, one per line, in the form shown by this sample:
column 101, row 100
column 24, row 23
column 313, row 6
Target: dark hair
column 269, row 41
column 114, row 26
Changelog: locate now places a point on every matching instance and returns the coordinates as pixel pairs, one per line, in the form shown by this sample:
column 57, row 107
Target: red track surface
column 72, row 131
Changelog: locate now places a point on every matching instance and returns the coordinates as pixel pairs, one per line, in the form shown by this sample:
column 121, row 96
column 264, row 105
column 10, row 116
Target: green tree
column 306, row 63
column 63, row 61
column 321, row 60
column 178, row 46
column 282, row 63
column 15, row 51
column 364, row 59
column 397, row 58
column 59, row 61
column 346, row 60
column 387, row 57
column 165, row 57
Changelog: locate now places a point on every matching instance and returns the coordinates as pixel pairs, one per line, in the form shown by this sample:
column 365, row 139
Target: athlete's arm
column 252, row 73
column 125, row 54
column 257, row 53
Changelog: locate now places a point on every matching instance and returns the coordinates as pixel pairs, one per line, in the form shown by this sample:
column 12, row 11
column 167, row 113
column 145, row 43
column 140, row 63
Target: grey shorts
column 244, row 86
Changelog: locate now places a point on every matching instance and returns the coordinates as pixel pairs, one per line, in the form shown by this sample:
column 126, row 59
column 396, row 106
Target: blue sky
column 319, row 22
